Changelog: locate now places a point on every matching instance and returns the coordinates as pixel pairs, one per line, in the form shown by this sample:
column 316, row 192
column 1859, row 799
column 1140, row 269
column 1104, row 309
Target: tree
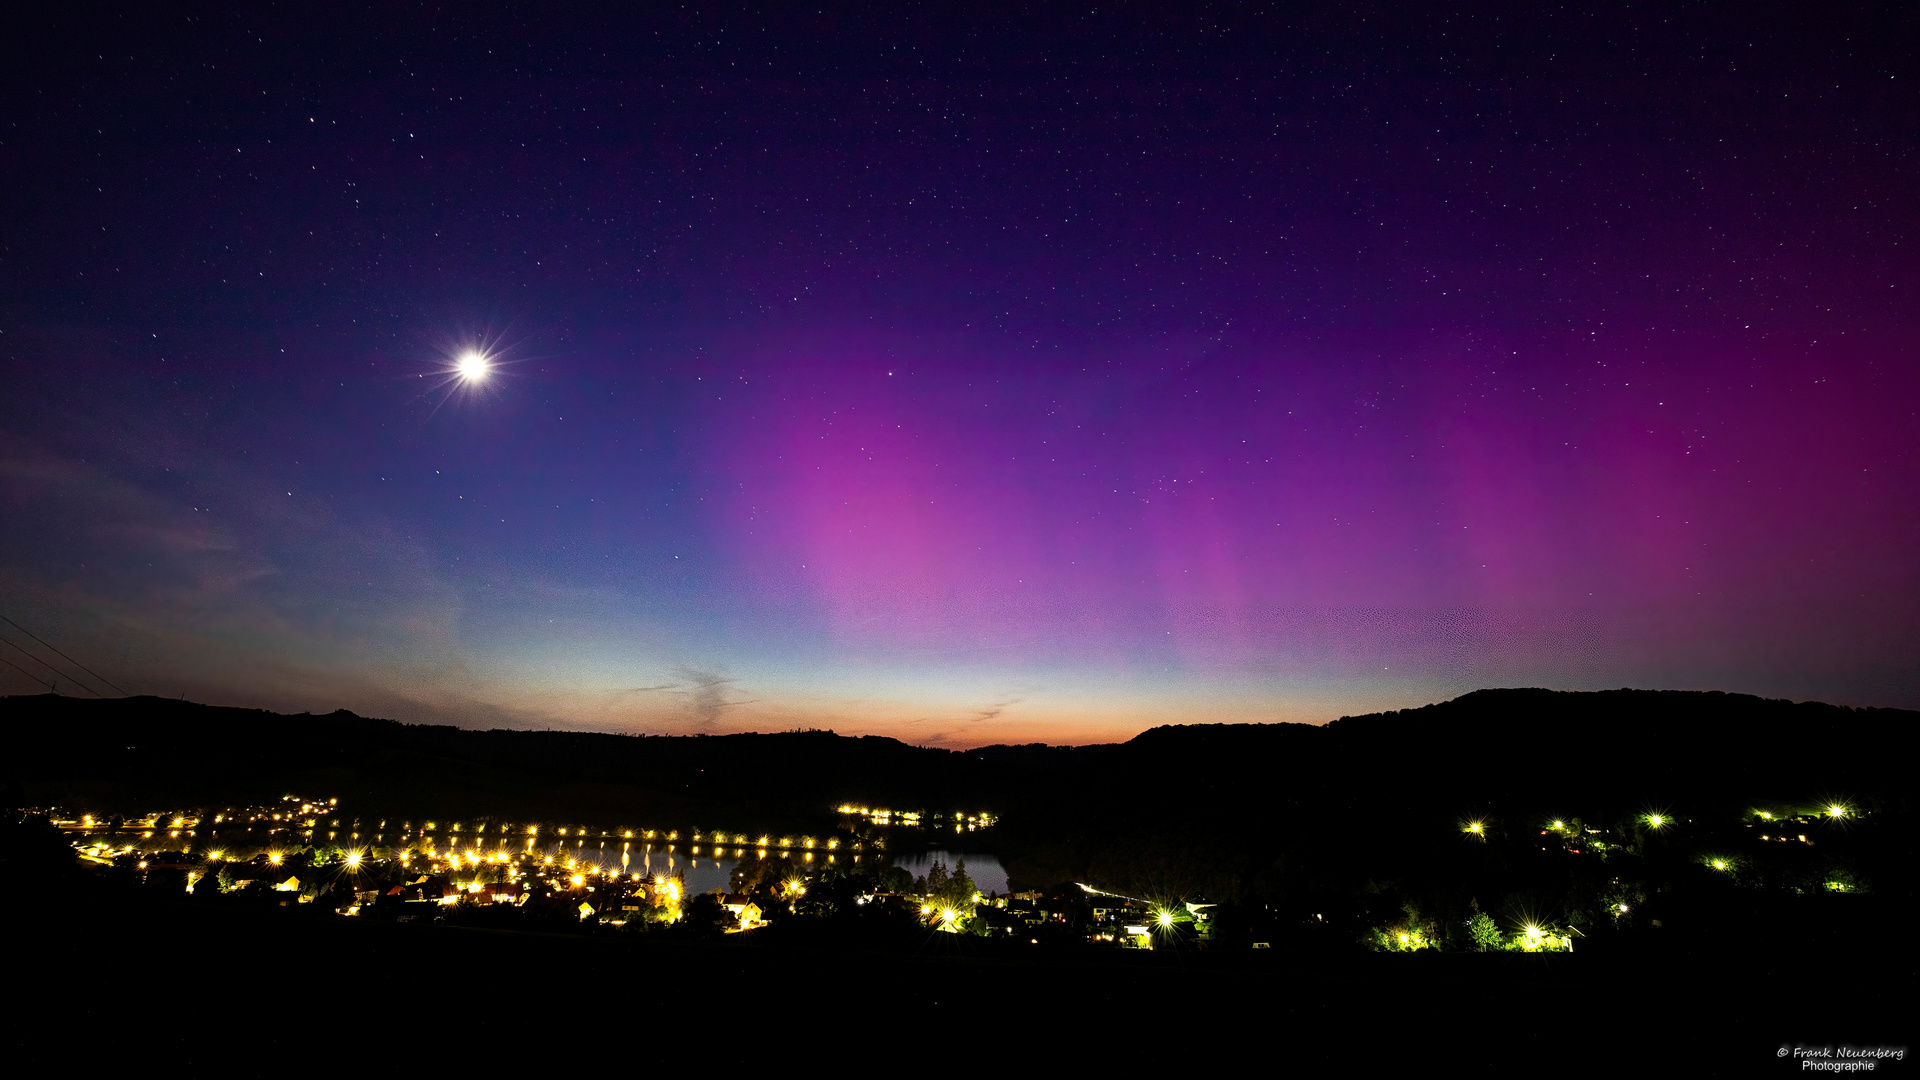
column 1484, row 931
column 704, row 915
column 955, row 891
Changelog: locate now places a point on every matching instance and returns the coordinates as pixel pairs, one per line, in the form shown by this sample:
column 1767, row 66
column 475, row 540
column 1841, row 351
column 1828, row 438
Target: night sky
column 958, row 373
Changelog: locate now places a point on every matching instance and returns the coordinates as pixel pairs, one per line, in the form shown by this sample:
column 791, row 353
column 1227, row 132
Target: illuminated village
column 312, row 855
column 306, row 852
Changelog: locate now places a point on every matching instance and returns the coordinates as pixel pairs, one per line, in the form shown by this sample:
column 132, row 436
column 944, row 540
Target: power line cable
column 77, row 682
column 24, row 671
column 64, row 656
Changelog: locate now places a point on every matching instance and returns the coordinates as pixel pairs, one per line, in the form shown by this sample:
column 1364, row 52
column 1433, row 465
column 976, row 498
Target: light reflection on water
column 985, row 870
column 703, row 873
column 700, row 874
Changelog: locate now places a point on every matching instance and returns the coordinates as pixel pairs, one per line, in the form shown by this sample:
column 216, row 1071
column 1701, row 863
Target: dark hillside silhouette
column 1239, row 803
column 134, row 754
column 1222, row 809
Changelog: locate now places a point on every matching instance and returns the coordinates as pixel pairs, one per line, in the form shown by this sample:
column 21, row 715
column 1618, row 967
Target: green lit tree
column 1484, row 931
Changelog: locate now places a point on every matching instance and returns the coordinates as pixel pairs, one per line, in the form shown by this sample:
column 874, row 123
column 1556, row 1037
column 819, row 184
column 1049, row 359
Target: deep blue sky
column 967, row 374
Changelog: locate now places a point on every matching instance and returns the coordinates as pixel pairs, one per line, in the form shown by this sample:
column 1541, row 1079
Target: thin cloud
column 994, row 710
column 709, row 691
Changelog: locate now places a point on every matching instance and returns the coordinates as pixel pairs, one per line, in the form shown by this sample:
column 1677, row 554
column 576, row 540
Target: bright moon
column 473, row 367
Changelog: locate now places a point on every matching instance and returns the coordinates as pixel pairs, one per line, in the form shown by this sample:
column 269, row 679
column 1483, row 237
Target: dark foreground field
column 1738, row 967
column 100, row 979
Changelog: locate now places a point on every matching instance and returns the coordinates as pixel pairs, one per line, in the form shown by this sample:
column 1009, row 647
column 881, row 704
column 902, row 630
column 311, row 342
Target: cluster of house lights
column 960, row 820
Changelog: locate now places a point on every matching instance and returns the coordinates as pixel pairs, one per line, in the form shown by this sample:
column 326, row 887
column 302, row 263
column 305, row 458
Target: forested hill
column 1639, row 744
column 134, row 753
column 1232, row 804
column 1482, row 750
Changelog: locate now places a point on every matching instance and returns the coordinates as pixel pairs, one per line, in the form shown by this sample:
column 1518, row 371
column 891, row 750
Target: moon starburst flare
column 466, row 365
column 473, row 367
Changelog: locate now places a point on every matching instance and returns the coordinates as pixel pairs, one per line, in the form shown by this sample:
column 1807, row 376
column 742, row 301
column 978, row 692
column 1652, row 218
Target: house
column 1202, row 919
column 1113, row 909
column 742, row 907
